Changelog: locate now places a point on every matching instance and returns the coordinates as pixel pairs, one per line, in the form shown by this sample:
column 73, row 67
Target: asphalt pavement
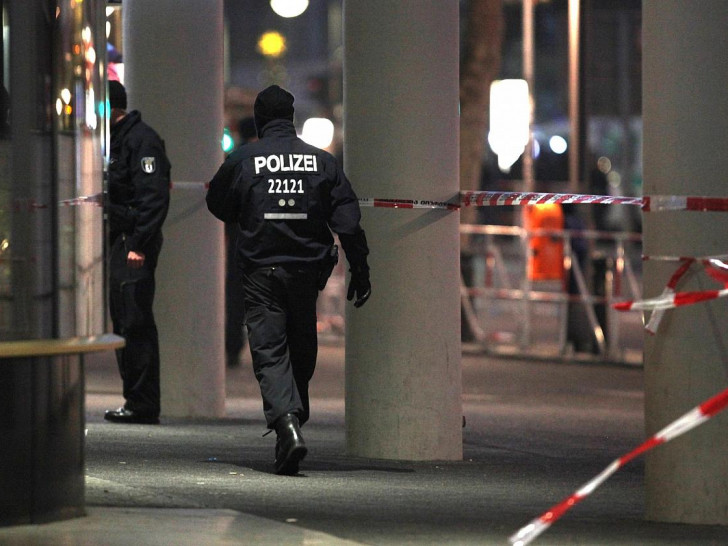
column 536, row 430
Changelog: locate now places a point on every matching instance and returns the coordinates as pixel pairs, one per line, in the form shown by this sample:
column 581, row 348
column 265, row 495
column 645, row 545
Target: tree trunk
column 480, row 66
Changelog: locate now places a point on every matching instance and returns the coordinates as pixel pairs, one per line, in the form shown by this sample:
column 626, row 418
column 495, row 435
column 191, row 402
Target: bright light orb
column 289, row 8
column 318, row 132
column 558, row 144
column 509, row 121
column 272, row 44
column 227, row 142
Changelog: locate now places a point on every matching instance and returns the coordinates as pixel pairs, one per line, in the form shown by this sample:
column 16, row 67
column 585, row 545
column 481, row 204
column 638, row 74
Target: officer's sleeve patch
column 149, row 165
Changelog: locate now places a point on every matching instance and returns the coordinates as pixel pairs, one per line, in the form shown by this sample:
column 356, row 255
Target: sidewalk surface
column 535, row 432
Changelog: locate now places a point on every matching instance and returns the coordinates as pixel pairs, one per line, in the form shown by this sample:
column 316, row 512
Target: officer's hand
column 359, row 286
column 135, row 260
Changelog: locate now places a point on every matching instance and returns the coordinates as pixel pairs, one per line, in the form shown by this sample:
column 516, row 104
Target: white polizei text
column 285, row 163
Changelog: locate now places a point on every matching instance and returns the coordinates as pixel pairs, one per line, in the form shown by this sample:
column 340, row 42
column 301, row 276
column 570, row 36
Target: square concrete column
column 173, row 58
column 403, row 384
column 685, row 105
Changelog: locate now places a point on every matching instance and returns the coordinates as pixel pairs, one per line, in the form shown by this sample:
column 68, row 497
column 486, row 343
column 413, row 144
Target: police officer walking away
column 287, row 196
column 139, row 175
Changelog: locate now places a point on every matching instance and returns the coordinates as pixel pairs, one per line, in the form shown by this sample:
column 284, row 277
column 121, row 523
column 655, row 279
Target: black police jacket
column 139, row 177
column 287, row 196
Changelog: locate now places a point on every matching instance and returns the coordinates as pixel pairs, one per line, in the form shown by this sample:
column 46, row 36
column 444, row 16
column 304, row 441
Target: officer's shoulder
column 142, row 131
column 243, row 152
column 320, row 152
column 329, row 160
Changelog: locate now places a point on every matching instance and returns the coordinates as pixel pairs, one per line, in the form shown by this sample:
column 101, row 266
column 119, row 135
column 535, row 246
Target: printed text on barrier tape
column 656, row 203
column 697, row 416
column 407, row 204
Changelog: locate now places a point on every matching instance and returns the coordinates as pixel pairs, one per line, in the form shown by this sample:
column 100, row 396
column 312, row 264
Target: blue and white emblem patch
column 149, row 165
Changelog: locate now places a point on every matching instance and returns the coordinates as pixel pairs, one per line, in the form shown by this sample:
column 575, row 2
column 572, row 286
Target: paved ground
column 536, row 431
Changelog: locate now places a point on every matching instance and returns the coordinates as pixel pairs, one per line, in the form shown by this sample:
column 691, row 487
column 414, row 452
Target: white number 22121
column 285, row 186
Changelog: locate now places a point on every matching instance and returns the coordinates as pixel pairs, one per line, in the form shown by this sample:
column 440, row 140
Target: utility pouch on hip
column 328, row 266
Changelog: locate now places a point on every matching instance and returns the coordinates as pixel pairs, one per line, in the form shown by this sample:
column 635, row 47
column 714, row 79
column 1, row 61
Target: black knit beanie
column 272, row 103
column 117, row 95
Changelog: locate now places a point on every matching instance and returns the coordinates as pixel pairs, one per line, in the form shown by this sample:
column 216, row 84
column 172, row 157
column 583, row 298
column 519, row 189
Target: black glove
column 360, row 286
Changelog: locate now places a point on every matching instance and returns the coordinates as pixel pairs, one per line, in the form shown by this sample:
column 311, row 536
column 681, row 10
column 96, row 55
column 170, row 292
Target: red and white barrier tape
column 696, row 416
column 656, row 317
column 407, row 204
column 714, row 267
column 96, row 199
column 507, row 198
column 652, row 203
column 189, row 185
column 501, row 198
column 662, row 258
column 25, row 205
column 669, row 301
column 657, row 203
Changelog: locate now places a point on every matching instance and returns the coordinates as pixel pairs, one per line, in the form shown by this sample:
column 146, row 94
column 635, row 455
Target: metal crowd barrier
column 507, row 312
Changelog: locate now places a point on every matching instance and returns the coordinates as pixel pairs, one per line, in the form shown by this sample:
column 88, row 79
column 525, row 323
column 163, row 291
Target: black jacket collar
column 126, row 123
column 278, row 128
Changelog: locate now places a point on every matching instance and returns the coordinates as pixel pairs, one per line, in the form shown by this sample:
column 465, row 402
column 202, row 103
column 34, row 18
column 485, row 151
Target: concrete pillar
column 403, row 386
column 685, row 108
column 173, row 55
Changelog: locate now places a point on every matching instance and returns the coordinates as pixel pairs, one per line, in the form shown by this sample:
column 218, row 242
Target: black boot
column 290, row 447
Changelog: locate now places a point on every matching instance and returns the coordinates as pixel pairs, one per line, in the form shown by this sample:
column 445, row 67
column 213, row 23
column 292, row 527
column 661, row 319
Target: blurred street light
column 509, row 120
column 289, row 8
column 318, row 132
column 558, row 144
column 272, row 44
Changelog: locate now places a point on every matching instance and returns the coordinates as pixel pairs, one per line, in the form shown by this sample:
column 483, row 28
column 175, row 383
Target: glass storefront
column 52, row 148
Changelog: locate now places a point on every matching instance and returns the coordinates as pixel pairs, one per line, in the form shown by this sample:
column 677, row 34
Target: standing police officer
column 287, row 196
column 139, row 174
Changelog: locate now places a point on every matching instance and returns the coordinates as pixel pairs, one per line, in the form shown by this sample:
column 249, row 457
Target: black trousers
column 280, row 314
column 130, row 304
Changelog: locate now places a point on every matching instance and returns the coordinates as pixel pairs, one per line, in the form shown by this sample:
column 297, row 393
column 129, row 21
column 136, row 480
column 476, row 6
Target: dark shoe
column 290, row 447
column 123, row 415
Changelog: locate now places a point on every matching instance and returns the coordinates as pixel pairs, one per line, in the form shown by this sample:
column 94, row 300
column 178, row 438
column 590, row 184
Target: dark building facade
column 52, row 311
